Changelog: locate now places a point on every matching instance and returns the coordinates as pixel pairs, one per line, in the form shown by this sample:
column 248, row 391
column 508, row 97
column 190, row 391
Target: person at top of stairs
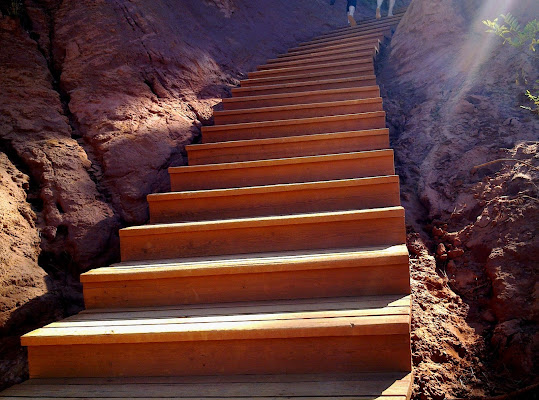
column 390, row 11
column 350, row 10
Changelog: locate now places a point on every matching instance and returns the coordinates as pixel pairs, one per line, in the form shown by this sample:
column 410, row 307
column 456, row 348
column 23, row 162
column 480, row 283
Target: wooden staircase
column 277, row 266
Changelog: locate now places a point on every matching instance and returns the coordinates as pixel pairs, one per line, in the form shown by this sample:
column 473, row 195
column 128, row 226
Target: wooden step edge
column 286, row 261
column 280, row 63
column 282, row 161
column 240, row 99
column 380, row 35
column 382, row 386
column 157, row 229
column 281, row 188
column 361, row 27
column 329, row 104
column 309, row 75
column 356, row 35
column 287, row 139
column 293, row 85
column 329, row 65
column 383, row 325
column 294, row 121
column 365, row 22
column 372, row 44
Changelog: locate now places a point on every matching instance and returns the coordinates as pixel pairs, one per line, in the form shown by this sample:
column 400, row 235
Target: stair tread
column 345, row 316
column 251, row 263
column 281, row 161
column 298, row 94
column 299, row 84
column 286, row 139
column 338, row 103
column 285, row 187
column 292, row 121
column 284, row 70
column 308, row 75
column 371, row 44
column 387, row 386
column 395, row 211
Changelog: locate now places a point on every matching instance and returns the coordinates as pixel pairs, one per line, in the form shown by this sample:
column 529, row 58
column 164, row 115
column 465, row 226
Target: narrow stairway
column 275, row 268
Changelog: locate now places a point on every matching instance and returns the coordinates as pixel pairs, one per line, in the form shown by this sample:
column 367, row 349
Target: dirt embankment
column 453, row 94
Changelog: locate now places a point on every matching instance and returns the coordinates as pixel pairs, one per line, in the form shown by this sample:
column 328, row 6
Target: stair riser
column 348, row 72
column 256, row 151
column 306, row 112
column 371, row 46
column 343, row 43
column 316, row 97
column 252, row 91
column 258, row 356
column 258, row 239
column 319, row 60
column 314, row 283
column 308, row 127
column 392, row 21
column 358, row 35
column 317, row 67
column 275, row 203
column 270, row 174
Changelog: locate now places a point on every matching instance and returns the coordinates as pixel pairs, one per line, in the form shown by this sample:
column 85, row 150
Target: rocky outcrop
column 467, row 156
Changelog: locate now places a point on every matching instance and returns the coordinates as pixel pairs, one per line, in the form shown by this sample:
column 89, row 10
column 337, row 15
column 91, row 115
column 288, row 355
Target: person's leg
column 351, row 11
column 391, row 5
column 378, row 11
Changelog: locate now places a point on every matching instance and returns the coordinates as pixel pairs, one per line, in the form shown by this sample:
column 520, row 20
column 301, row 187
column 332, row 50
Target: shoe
column 390, row 14
column 351, row 21
column 331, row 2
column 378, row 13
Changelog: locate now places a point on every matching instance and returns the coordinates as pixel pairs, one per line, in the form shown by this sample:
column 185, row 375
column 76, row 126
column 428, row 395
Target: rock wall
column 98, row 98
column 453, row 94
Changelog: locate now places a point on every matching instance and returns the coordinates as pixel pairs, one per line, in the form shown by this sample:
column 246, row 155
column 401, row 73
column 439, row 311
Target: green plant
column 522, row 38
column 511, row 32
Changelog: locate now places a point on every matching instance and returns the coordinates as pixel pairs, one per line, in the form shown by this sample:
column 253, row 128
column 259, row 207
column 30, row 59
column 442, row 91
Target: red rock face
column 453, row 92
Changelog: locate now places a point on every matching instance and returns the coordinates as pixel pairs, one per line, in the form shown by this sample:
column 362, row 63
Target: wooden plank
column 222, row 390
column 335, row 354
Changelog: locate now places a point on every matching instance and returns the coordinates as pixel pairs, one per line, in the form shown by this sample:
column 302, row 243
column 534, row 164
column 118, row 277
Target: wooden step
column 333, row 49
column 356, row 32
column 366, row 386
column 320, row 58
column 285, row 170
column 356, row 35
column 316, row 96
column 322, row 84
column 341, row 43
column 288, row 147
column 359, row 228
column 370, row 46
column 268, row 276
column 331, row 67
column 298, row 111
column 364, row 24
column 347, row 334
column 269, row 200
column 293, row 127
column 349, row 72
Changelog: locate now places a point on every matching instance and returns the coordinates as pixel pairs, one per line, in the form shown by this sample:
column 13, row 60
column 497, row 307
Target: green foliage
column 511, row 32
column 535, row 100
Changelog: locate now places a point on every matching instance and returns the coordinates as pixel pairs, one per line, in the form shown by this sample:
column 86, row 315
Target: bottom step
column 387, row 386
